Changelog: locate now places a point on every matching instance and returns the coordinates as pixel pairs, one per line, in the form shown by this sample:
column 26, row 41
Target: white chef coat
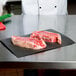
column 44, row 7
column 2, row 3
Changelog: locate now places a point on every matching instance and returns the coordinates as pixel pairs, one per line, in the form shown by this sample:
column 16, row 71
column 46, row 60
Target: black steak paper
column 21, row 52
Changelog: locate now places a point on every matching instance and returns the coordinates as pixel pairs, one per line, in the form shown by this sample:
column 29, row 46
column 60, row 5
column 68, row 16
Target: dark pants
column 41, row 72
column 49, row 72
column 30, row 72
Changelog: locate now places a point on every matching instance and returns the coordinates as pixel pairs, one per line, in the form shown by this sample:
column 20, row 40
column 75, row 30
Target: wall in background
column 72, row 7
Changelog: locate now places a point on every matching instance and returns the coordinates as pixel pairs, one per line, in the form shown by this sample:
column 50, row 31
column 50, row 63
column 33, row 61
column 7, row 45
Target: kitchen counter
column 60, row 58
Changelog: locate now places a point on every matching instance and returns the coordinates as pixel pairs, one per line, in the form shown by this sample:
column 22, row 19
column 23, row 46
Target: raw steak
column 47, row 36
column 28, row 42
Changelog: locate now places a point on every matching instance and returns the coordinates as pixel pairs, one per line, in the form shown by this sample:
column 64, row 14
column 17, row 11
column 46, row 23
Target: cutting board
column 21, row 52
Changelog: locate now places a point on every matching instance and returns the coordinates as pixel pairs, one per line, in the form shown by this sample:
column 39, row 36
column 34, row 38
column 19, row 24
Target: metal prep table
column 61, row 58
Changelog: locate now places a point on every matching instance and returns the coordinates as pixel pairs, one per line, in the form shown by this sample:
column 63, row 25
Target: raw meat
column 28, row 42
column 47, row 36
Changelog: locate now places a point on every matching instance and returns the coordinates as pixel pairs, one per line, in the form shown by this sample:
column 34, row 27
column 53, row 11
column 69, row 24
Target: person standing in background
column 44, row 7
column 2, row 3
column 41, row 7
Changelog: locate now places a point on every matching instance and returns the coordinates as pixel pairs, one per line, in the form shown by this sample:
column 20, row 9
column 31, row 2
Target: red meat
column 47, row 36
column 28, row 42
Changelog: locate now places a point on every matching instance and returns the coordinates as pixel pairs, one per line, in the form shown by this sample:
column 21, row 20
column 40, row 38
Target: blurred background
column 14, row 7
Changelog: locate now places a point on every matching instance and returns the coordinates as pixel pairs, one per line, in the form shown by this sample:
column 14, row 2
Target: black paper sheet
column 21, row 52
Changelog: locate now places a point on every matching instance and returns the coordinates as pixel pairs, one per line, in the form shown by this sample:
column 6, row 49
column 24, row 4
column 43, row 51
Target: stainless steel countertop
column 25, row 24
